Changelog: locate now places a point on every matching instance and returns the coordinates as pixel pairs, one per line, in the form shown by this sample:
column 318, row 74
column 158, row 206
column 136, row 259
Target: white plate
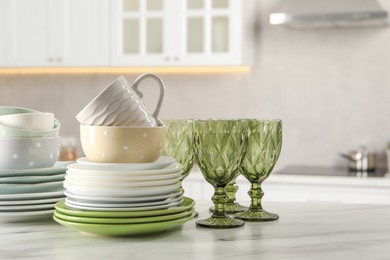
column 26, row 216
column 99, row 199
column 109, row 177
column 162, row 162
column 30, row 188
column 77, row 206
column 32, row 196
column 119, row 184
column 19, row 208
column 59, row 167
column 30, row 202
column 134, row 192
column 32, row 179
column 91, row 203
column 80, row 169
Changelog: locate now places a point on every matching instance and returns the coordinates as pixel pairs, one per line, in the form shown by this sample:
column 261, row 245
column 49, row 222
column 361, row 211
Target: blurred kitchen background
column 330, row 86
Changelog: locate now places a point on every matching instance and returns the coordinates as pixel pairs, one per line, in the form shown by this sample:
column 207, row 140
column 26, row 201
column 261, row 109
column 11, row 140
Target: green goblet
column 219, row 148
column 262, row 153
column 179, row 144
column 232, row 206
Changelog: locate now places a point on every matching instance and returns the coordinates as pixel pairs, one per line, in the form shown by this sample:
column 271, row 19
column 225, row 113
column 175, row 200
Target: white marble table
column 305, row 230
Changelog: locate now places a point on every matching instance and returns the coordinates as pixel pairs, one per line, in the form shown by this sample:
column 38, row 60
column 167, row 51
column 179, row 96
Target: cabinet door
column 84, row 41
column 139, row 32
column 27, row 33
column 210, row 32
column 2, row 34
column 57, row 33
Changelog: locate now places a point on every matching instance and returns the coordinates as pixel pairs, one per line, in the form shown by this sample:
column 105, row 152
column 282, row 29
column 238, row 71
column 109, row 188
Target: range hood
column 301, row 14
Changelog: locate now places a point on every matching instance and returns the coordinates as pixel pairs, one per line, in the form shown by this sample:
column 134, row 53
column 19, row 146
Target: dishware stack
column 123, row 186
column 30, row 176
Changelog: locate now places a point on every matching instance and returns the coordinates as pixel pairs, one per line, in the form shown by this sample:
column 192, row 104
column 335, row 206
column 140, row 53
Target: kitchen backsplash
column 330, row 87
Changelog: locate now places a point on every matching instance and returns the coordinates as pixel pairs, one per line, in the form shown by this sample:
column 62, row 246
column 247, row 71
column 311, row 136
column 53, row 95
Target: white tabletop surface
column 305, row 230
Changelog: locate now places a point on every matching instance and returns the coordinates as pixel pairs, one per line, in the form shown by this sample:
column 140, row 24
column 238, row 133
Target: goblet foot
column 256, row 216
column 232, row 208
column 220, row 222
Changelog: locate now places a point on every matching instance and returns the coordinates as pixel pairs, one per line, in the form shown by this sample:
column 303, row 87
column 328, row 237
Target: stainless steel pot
column 361, row 160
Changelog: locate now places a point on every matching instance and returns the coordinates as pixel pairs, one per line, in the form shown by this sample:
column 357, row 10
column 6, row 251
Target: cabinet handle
column 50, row 59
column 59, row 59
column 167, row 59
column 176, row 58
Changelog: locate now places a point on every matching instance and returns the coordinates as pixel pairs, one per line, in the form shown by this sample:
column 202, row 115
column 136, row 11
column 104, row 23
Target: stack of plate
column 30, row 194
column 123, row 198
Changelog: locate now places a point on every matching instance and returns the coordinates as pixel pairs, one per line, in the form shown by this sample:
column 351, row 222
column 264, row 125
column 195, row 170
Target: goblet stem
column 220, row 219
column 219, row 199
column 232, row 206
column 256, row 211
column 256, row 194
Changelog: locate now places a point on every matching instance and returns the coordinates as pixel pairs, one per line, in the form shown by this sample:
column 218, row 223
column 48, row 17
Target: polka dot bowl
column 122, row 144
column 28, row 153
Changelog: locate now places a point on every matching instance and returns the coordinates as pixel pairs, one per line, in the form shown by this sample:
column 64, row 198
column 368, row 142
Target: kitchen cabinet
column 56, row 32
column 2, row 33
column 177, row 32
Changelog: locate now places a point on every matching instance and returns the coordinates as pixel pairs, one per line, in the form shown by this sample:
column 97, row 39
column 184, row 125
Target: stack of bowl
column 123, row 186
column 30, row 176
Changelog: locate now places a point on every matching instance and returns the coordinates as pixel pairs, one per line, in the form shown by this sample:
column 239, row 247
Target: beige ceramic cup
column 120, row 104
column 121, row 144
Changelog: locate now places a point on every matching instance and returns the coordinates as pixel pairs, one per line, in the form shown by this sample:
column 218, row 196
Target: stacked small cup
column 29, row 148
column 123, row 167
column 28, row 139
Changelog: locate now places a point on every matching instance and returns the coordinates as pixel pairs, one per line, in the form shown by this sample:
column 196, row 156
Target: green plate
column 90, row 220
column 186, row 205
column 123, row 229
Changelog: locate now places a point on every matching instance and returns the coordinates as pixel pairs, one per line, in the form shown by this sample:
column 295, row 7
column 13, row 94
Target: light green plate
column 90, row 220
column 30, row 188
column 32, row 179
column 58, row 167
column 124, row 229
column 187, row 204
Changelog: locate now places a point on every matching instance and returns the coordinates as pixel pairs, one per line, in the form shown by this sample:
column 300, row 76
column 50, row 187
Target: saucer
column 32, row 196
column 82, row 169
column 161, row 163
column 92, row 220
column 115, row 192
column 29, row 202
column 25, row 208
column 32, row 179
column 91, row 206
column 30, row 188
column 130, row 199
column 124, row 229
column 59, row 167
column 26, row 216
column 109, row 177
column 186, row 205
column 119, row 184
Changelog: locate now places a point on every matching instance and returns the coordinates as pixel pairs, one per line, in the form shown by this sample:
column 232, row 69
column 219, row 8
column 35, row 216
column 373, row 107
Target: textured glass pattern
column 262, row 153
column 179, row 143
column 219, row 148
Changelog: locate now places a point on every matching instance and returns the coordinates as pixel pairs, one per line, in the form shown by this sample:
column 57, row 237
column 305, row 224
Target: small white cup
column 30, row 121
column 120, row 104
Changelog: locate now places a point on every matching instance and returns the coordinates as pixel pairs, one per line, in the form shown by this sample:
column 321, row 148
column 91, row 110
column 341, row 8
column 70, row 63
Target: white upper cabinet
column 177, row 32
column 57, row 32
column 2, row 34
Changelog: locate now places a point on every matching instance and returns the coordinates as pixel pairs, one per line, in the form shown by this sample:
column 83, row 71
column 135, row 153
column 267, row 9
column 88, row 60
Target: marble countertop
column 305, row 230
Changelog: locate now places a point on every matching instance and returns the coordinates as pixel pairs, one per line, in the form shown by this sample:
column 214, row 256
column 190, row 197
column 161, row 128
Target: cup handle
column 160, row 98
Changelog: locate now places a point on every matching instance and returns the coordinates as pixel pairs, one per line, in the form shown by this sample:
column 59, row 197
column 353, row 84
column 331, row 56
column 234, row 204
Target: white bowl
column 28, row 153
column 31, row 121
column 6, row 110
column 11, row 132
